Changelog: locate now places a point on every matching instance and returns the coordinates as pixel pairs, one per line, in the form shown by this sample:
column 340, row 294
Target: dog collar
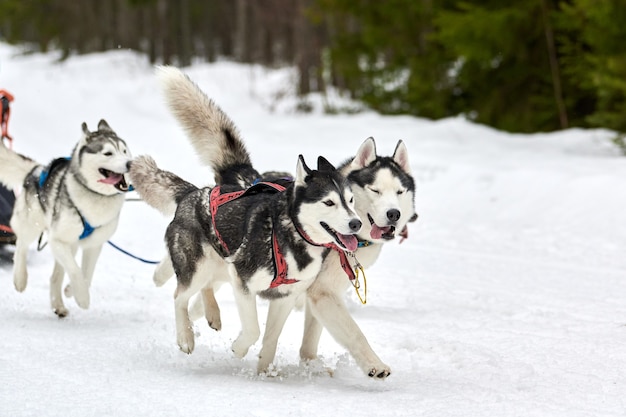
column 343, row 258
column 364, row 243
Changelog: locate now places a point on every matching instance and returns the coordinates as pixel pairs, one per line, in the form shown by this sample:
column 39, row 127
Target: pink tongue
column 349, row 241
column 378, row 232
column 111, row 179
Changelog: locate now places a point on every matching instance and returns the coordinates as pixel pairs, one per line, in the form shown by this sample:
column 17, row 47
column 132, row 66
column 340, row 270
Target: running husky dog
column 273, row 238
column 76, row 201
column 384, row 195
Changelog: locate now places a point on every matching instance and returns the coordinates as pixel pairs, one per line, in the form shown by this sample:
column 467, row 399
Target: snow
column 508, row 298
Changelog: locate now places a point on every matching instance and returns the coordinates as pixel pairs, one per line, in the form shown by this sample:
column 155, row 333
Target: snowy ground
column 508, row 299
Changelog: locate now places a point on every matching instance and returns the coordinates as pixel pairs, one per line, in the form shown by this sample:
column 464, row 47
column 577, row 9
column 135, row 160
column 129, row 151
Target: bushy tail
column 160, row 189
column 14, row 167
column 212, row 133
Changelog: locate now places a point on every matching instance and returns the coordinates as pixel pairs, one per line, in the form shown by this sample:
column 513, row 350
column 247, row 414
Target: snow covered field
column 508, row 298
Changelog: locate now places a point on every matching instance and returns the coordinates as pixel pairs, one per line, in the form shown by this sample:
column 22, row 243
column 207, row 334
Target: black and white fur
column 88, row 187
column 318, row 204
column 384, row 199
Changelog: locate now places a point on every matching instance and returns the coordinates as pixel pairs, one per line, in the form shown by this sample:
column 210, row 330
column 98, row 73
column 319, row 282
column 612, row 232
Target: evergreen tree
column 595, row 54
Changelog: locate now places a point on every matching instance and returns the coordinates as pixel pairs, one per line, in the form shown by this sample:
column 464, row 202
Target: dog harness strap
column 343, row 258
column 216, row 199
column 87, row 228
column 280, row 265
column 43, row 177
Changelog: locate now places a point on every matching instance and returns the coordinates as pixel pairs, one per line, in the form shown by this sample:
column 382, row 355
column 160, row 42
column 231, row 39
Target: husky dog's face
column 102, row 160
column 324, row 205
column 384, row 191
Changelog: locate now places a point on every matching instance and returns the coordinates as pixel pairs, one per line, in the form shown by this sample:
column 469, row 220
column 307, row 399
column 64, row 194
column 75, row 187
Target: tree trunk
column 554, row 66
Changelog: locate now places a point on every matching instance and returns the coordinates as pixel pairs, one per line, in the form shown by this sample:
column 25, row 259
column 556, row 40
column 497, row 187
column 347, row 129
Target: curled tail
column 212, row 133
column 14, row 168
column 159, row 188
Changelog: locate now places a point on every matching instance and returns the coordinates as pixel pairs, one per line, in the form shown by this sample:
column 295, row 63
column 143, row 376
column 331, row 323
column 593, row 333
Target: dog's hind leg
column 211, row 308
column 56, row 296
column 276, row 317
column 310, row 336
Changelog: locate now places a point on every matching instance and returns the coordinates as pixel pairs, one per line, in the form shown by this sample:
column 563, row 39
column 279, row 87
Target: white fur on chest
column 262, row 279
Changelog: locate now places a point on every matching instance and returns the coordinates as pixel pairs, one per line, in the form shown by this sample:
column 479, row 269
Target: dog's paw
column 240, row 347
column 61, row 312
column 69, row 293
column 82, row 298
column 186, row 340
column 20, row 283
column 379, row 373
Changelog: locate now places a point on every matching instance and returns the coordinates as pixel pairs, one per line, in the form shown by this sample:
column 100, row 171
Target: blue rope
column 131, row 255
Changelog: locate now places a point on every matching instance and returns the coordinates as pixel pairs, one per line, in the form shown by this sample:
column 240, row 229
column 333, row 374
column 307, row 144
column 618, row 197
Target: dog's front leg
column 246, row 307
column 332, row 313
column 64, row 255
column 90, row 258
column 311, row 335
column 276, row 317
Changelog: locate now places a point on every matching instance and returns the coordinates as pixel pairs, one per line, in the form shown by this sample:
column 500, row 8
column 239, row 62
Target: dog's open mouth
column 347, row 242
column 115, row 179
column 386, row 232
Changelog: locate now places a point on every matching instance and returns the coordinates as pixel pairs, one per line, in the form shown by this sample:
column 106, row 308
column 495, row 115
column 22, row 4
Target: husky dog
column 384, row 198
column 76, row 201
column 273, row 238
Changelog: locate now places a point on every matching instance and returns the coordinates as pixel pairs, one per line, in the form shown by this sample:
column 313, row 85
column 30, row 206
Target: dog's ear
column 401, row 157
column 302, row 171
column 324, row 165
column 85, row 129
column 103, row 125
column 365, row 155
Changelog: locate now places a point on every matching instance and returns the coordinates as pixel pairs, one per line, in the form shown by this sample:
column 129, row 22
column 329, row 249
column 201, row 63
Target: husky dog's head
column 323, row 208
column 101, row 160
column 384, row 191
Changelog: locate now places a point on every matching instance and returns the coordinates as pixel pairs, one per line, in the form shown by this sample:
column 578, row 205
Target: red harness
column 216, row 199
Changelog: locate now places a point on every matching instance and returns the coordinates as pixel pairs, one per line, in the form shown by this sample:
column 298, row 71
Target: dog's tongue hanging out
column 349, row 241
column 379, row 232
column 111, row 179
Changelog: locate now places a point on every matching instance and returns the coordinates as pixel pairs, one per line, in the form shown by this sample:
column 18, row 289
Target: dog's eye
column 329, row 203
column 375, row 191
column 351, row 200
column 401, row 192
column 108, row 154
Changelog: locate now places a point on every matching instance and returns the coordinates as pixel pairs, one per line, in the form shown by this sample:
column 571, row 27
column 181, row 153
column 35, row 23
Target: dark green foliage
column 519, row 65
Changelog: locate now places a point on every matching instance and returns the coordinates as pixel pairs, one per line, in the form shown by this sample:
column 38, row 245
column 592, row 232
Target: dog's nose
column 393, row 215
column 355, row 225
column 128, row 164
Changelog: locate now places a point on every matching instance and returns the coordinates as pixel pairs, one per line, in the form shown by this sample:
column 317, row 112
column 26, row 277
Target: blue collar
column 364, row 243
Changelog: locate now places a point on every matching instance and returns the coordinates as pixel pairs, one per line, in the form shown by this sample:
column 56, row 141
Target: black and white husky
column 76, row 201
column 271, row 240
column 384, row 199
